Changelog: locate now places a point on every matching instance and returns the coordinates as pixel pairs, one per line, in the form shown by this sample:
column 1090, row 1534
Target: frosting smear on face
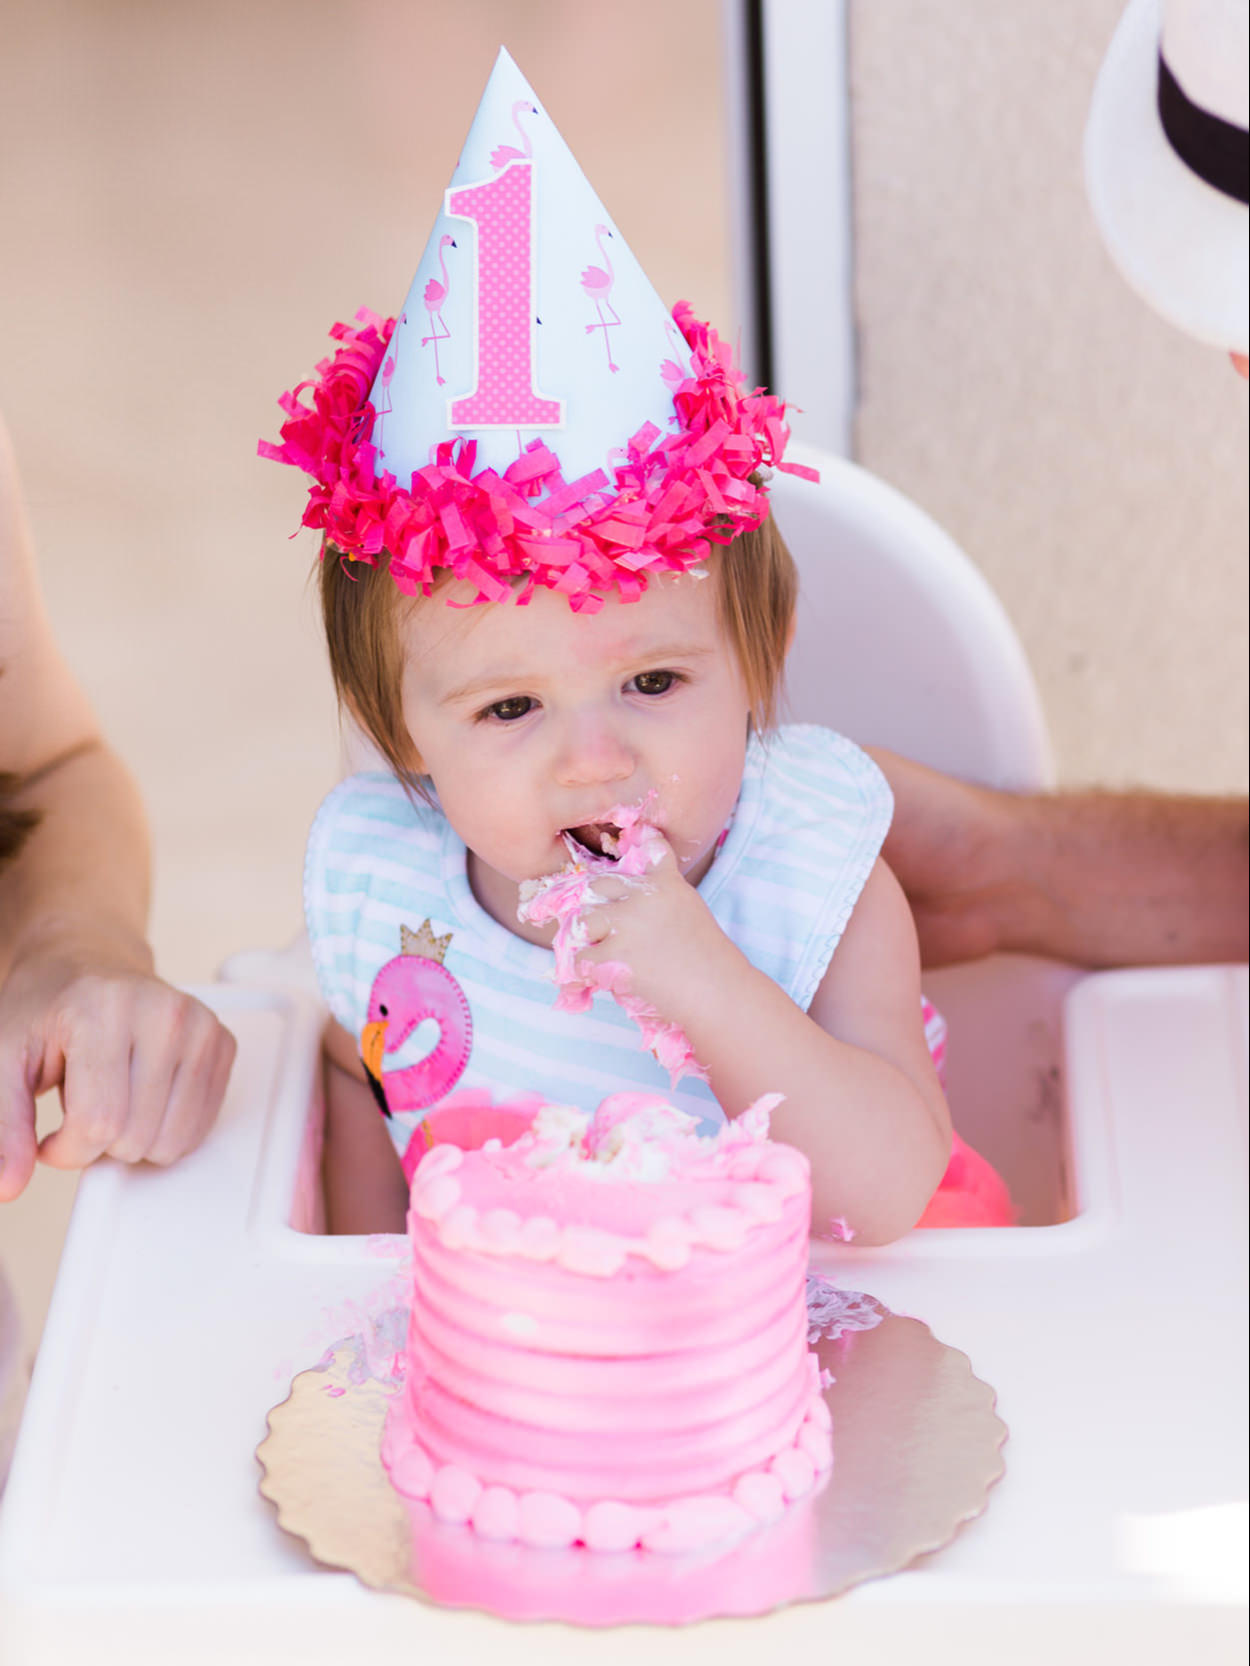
column 608, row 1335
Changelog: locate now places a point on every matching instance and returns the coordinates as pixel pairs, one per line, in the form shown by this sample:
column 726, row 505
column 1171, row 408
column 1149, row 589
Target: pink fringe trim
column 671, row 499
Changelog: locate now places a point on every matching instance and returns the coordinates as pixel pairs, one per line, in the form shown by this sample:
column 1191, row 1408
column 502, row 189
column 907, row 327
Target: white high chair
column 1108, row 1320
column 900, row 642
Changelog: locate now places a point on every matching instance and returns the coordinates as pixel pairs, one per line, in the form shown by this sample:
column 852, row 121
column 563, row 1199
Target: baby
column 538, row 658
column 530, row 723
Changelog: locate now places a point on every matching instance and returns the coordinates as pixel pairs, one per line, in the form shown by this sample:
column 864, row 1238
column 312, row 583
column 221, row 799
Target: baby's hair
column 361, row 608
column 759, row 590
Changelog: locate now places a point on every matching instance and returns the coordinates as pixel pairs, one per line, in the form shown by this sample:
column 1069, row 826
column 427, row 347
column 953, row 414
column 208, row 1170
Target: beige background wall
column 1090, row 459
column 191, row 194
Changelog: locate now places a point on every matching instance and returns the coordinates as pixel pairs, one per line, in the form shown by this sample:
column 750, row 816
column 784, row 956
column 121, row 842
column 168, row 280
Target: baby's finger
column 667, row 855
column 598, row 927
column 605, row 973
column 197, row 1089
column 610, row 888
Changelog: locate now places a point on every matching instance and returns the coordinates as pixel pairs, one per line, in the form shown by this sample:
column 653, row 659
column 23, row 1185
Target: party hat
column 535, row 413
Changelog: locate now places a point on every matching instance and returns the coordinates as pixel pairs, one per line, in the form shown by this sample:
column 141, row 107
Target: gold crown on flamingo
column 425, row 943
column 534, row 415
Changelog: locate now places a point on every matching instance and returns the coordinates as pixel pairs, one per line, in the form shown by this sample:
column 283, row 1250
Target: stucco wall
column 1089, row 458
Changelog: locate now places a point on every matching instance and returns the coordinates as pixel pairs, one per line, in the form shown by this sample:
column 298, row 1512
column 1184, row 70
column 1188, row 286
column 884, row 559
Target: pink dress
column 971, row 1192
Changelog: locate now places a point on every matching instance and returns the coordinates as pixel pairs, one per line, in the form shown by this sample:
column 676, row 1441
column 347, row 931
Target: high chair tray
column 132, row 1529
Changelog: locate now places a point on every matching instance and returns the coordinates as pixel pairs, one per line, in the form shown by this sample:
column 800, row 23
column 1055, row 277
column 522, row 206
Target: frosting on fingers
column 566, row 899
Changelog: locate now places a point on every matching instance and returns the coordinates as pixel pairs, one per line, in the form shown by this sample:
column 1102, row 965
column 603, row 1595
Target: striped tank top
column 394, row 924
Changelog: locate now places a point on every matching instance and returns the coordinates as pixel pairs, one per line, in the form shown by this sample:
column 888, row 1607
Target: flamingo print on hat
column 385, row 376
column 597, row 284
column 503, row 154
column 673, row 372
column 435, row 297
column 504, row 374
column 520, row 459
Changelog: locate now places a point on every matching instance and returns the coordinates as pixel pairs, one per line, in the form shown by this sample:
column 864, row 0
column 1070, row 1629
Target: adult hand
column 141, row 1067
column 1093, row 878
column 954, row 849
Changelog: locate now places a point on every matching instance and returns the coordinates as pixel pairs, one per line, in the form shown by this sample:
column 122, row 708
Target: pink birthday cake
column 608, row 1335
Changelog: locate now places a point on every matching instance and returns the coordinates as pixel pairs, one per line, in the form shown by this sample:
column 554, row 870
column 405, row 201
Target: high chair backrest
column 900, row 641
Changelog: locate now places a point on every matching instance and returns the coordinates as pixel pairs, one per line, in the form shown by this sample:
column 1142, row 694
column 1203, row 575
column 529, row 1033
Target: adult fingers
column 196, row 1090
column 17, row 1119
column 95, row 1093
column 144, row 1078
column 153, row 1065
column 167, row 1029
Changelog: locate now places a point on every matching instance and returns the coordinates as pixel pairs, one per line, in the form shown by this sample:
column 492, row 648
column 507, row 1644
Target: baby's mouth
column 598, row 838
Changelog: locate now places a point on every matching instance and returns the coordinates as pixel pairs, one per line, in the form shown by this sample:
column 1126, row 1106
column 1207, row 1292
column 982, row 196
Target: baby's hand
column 639, row 931
column 141, row 1067
column 658, row 930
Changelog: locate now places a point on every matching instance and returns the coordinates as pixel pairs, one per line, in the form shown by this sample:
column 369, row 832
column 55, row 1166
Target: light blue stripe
column 810, row 820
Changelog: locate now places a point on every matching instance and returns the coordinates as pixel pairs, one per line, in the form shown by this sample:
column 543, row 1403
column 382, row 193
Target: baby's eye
column 509, row 710
column 656, row 682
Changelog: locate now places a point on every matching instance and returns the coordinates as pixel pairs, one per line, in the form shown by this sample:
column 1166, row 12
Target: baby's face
column 536, row 720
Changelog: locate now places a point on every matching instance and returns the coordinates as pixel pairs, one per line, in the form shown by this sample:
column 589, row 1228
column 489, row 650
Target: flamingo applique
column 434, row 298
column 412, row 987
column 597, row 285
column 503, row 154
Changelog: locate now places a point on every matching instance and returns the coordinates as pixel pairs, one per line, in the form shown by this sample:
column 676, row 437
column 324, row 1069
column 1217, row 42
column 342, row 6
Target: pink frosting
column 671, row 497
column 628, row 1585
column 565, row 897
column 679, row 1409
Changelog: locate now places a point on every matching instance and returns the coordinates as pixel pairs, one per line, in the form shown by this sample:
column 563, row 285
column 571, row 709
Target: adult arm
column 141, row 1067
column 1095, row 878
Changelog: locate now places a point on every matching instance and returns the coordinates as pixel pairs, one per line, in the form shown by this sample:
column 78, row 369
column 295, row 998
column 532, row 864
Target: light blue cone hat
column 535, row 414
column 529, row 316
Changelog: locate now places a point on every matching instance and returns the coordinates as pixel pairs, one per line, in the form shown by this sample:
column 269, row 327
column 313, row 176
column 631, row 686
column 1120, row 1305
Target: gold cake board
column 917, row 1446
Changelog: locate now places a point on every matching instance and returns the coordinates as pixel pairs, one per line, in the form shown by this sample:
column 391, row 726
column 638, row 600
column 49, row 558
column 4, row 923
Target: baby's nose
column 593, row 753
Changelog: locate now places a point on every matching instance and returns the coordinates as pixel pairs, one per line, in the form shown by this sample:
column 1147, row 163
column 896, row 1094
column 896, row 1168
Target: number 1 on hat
column 501, row 210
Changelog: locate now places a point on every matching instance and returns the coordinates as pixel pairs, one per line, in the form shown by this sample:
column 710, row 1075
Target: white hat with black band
column 1167, row 162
